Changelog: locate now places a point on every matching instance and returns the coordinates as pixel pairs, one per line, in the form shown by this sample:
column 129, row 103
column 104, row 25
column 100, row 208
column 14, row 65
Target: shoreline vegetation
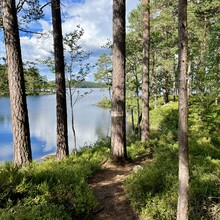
column 50, row 88
column 104, row 103
column 55, row 189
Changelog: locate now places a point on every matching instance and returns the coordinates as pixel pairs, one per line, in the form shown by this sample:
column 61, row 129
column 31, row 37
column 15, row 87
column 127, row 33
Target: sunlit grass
column 51, row 189
column 153, row 190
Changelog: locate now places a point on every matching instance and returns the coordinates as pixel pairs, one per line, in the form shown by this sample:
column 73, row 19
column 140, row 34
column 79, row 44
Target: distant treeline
column 86, row 84
column 83, row 84
column 36, row 84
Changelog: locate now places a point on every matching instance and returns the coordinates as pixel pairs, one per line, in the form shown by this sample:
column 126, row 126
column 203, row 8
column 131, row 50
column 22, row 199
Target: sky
column 94, row 16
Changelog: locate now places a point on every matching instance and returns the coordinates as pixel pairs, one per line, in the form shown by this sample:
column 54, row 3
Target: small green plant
column 137, row 148
column 105, row 103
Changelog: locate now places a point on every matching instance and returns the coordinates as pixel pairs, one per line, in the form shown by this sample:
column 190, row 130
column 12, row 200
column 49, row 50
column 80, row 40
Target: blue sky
column 94, row 16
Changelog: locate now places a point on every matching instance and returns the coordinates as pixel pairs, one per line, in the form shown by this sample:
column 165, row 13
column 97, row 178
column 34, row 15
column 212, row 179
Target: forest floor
column 108, row 187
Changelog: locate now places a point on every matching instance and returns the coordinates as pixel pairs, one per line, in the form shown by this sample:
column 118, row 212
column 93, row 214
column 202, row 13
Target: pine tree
column 145, row 129
column 118, row 133
column 62, row 138
column 20, row 123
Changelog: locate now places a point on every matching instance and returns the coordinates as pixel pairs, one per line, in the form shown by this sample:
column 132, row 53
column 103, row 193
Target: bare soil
column 108, row 187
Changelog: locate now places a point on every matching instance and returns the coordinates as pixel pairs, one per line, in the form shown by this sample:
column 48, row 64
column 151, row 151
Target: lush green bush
column 153, row 190
column 105, row 103
column 51, row 189
column 137, row 148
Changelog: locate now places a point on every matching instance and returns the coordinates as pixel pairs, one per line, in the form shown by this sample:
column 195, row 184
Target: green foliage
column 156, row 103
column 136, row 148
column 203, row 56
column 29, row 11
column 153, row 190
column 51, row 189
column 76, row 68
column 203, row 50
column 165, row 114
column 4, row 81
column 104, row 71
column 87, row 84
column 37, row 211
column 105, row 103
column 34, row 82
column 96, row 152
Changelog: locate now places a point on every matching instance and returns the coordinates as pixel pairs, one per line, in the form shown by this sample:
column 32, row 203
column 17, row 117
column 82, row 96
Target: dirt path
column 108, row 187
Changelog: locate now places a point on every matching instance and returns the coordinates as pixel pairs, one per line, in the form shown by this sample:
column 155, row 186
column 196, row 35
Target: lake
column 91, row 123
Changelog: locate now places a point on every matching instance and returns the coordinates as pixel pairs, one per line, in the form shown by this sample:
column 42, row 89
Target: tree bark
column 154, row 79
column 174, row 79
column 145, row 128
column 62, row 133
column 19, row 112
column 183, row 193
column 118, row 129
column 166, row 88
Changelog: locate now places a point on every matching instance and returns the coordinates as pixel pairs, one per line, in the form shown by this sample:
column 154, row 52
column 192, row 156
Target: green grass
column 51, row 189
column 153, row 190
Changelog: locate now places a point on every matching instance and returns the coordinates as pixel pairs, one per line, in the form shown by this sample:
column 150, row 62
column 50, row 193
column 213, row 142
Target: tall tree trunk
column 189, row 82
column 118, row 133
column 154, row 79
column 166, row 88
column 20, row 124
column 145, row 129
column 62, row 133
column 183, row 193
column 138, row 104
column 174, row 79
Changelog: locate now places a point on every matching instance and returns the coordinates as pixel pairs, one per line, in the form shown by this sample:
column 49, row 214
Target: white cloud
column 45, row 25
column 35, row 48
column 95, row 17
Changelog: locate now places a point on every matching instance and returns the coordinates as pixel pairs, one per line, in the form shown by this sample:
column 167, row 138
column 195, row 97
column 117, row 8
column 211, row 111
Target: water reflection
column 91, row 122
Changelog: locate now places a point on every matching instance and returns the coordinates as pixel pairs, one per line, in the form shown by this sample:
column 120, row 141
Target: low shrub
column 137, row 148
column 50, row 189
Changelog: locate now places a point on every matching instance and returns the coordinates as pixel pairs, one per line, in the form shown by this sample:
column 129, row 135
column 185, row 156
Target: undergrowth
column 153, row 190
column 51, row 189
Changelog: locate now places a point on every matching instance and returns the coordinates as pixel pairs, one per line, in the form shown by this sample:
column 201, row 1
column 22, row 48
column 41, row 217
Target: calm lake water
column 91, row 123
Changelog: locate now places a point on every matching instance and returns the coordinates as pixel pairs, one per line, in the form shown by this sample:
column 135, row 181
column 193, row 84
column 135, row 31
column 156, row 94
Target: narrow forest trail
column 108, row 187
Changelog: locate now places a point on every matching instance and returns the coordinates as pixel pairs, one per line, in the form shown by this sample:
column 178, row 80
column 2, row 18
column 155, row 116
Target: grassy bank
column 153, row 190
column 51, row 189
